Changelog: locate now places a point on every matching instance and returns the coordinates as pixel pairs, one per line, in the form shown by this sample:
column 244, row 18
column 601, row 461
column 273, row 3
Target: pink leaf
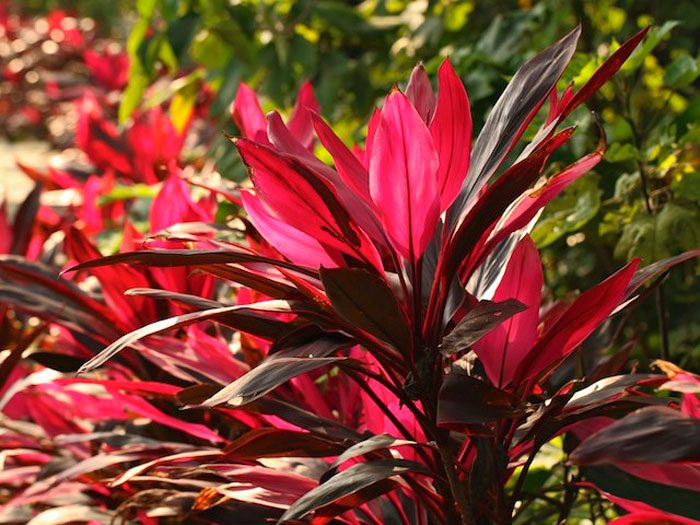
column 294, row 244
column 298, row 196
column 402, row 177
column 451, row 129
column 350, row 169
column 174, row 205
column 248, row 115
column 300, row 122
column 420, row 92
column 505, row 347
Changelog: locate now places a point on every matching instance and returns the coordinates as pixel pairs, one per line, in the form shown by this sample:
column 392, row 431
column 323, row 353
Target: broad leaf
column 402, row 177
column 364, row 300
column 478, row 322
column 649, row 435
column 464, row 400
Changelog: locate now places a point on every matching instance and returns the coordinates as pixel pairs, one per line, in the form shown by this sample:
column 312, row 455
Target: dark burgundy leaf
column 679, row 501
column 194, row 395
column 245, row 316
column 308, row 341
column 277, row 443
column 464, row 400
column 508, row 119
column 182, row 257
column 36, row 301
column 609, row 389
column 19, row 269
column 491, row 206
column 264, row 378
column 265, row 285
column 348, row 482
column 648, row 435
column 54, row 361
column 24, row 222
column 648, row 272
column 364, row 300
column 180, row 298
column 604, row 72
column 379, row 442
column 478, row 322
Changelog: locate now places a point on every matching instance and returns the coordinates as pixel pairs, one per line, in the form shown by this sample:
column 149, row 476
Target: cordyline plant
column 395, row 362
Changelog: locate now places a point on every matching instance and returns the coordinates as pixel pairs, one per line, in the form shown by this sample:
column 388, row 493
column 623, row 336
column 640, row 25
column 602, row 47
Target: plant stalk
column 458, row 491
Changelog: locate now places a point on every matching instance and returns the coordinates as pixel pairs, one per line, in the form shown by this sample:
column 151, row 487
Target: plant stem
column 521, row 481
column 659, row 293
column 458, row 491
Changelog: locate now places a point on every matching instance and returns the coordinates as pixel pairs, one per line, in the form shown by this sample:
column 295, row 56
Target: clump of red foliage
column 367, row 343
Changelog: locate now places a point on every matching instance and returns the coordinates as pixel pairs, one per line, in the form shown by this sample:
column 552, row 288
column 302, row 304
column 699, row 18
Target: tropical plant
column 372, row 341
column 399, row 276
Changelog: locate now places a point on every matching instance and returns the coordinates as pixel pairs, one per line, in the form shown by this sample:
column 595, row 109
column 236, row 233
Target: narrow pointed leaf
column 298, row 196
column 451, row 129
column 169, row 324
column 649, row 435
column 24, row 221
column 294, row 244
column 373, row 444
column 183, row 257
column 581, row 318
column 402, row 177
column 503, row 349
column 420, row 92
column 265, row 377
column 348, row 482
column 479, row 321
column 516, row 107
column 279, row 443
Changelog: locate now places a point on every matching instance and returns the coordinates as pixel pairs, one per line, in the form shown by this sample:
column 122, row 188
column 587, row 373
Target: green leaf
column 569, row 212
column 121, row 193
column 180, row 34
column 688, row 186
column 655, row 36
column 138, row 82
column 673, row 230
column 681, row 72
column 621, row 152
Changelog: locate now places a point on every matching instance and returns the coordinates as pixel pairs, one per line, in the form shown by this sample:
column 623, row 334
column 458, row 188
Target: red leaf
column 420, row 92
column 503, row 349
column 402, row 177
column 297, row 246
column 300, row 122
column 299, row 197
column 577, row 322
column 451, row 129
column 248, row 115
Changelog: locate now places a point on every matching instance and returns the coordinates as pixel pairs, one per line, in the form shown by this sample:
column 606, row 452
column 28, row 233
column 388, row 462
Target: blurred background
column 190, row 56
